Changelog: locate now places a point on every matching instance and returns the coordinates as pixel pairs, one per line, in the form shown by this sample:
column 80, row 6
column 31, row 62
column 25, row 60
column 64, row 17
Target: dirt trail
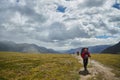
column 96, row 71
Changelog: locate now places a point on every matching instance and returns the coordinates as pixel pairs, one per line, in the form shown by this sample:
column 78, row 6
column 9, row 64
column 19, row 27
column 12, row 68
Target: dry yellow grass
column 21, row 66
column 110, row 60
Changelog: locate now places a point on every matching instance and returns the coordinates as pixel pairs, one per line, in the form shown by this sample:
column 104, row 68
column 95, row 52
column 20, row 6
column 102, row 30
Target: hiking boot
column 86, row 69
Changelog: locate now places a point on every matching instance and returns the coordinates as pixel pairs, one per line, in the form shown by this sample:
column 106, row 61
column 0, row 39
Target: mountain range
column 92, row 49
column 23, row 47
column 33, row 48
column 112, row 49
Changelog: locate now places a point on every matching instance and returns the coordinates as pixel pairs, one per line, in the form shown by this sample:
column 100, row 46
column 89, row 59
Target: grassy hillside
column 110, row 60
column 18, row 66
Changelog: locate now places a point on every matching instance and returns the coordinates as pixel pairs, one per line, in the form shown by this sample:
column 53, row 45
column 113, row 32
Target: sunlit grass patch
column 21, row 66
column 110, row 60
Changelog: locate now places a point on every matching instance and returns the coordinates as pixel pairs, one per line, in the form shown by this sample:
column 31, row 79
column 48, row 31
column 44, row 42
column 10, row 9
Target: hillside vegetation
column 115, row 49
column 19, row 66
column 11, row 46
column 110, row 60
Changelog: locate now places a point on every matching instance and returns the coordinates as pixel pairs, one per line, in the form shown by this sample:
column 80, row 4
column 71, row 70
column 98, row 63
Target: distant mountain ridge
column 24, row 47
column 98, row 48
column 112, row 49
column 92, row 49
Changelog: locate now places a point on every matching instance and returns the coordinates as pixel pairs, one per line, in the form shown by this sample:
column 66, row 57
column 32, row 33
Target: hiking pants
column 85, row 62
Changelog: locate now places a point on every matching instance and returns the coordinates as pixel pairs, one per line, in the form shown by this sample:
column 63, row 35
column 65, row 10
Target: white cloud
column 39, row 22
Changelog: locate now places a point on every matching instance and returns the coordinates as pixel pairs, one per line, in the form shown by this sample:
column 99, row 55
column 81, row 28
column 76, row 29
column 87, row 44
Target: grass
column 110, row 60
column 21, row 66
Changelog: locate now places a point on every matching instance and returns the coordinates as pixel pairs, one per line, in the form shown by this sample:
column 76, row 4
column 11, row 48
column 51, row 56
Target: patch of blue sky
column 61, row 9
column 104, row 37
column 117, row 4
column 17, row 0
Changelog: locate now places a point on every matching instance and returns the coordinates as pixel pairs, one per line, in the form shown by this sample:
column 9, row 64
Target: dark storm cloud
column 115, row 18
column 30, row 13
column 92, row 3
column 15, row 34
column 4, row 15
column 7, row 11
column 114, row 31
column 63, row 34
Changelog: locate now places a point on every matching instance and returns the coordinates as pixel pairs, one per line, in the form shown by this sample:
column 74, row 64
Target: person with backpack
column 85, row 54
column 77, row 53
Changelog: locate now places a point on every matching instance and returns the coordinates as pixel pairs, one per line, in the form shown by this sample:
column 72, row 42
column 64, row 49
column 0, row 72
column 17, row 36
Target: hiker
column 85, row 54
column 77, row 53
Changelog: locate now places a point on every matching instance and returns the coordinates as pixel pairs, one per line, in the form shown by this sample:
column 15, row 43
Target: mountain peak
column 23, row 47
column 112, row 49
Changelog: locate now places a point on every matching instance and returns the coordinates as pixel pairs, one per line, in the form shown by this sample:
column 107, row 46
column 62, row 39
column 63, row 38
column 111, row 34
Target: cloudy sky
column 60, row 24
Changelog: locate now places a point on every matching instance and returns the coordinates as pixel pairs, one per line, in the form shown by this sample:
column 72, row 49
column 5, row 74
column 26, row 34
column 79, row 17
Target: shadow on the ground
column 84, row 73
